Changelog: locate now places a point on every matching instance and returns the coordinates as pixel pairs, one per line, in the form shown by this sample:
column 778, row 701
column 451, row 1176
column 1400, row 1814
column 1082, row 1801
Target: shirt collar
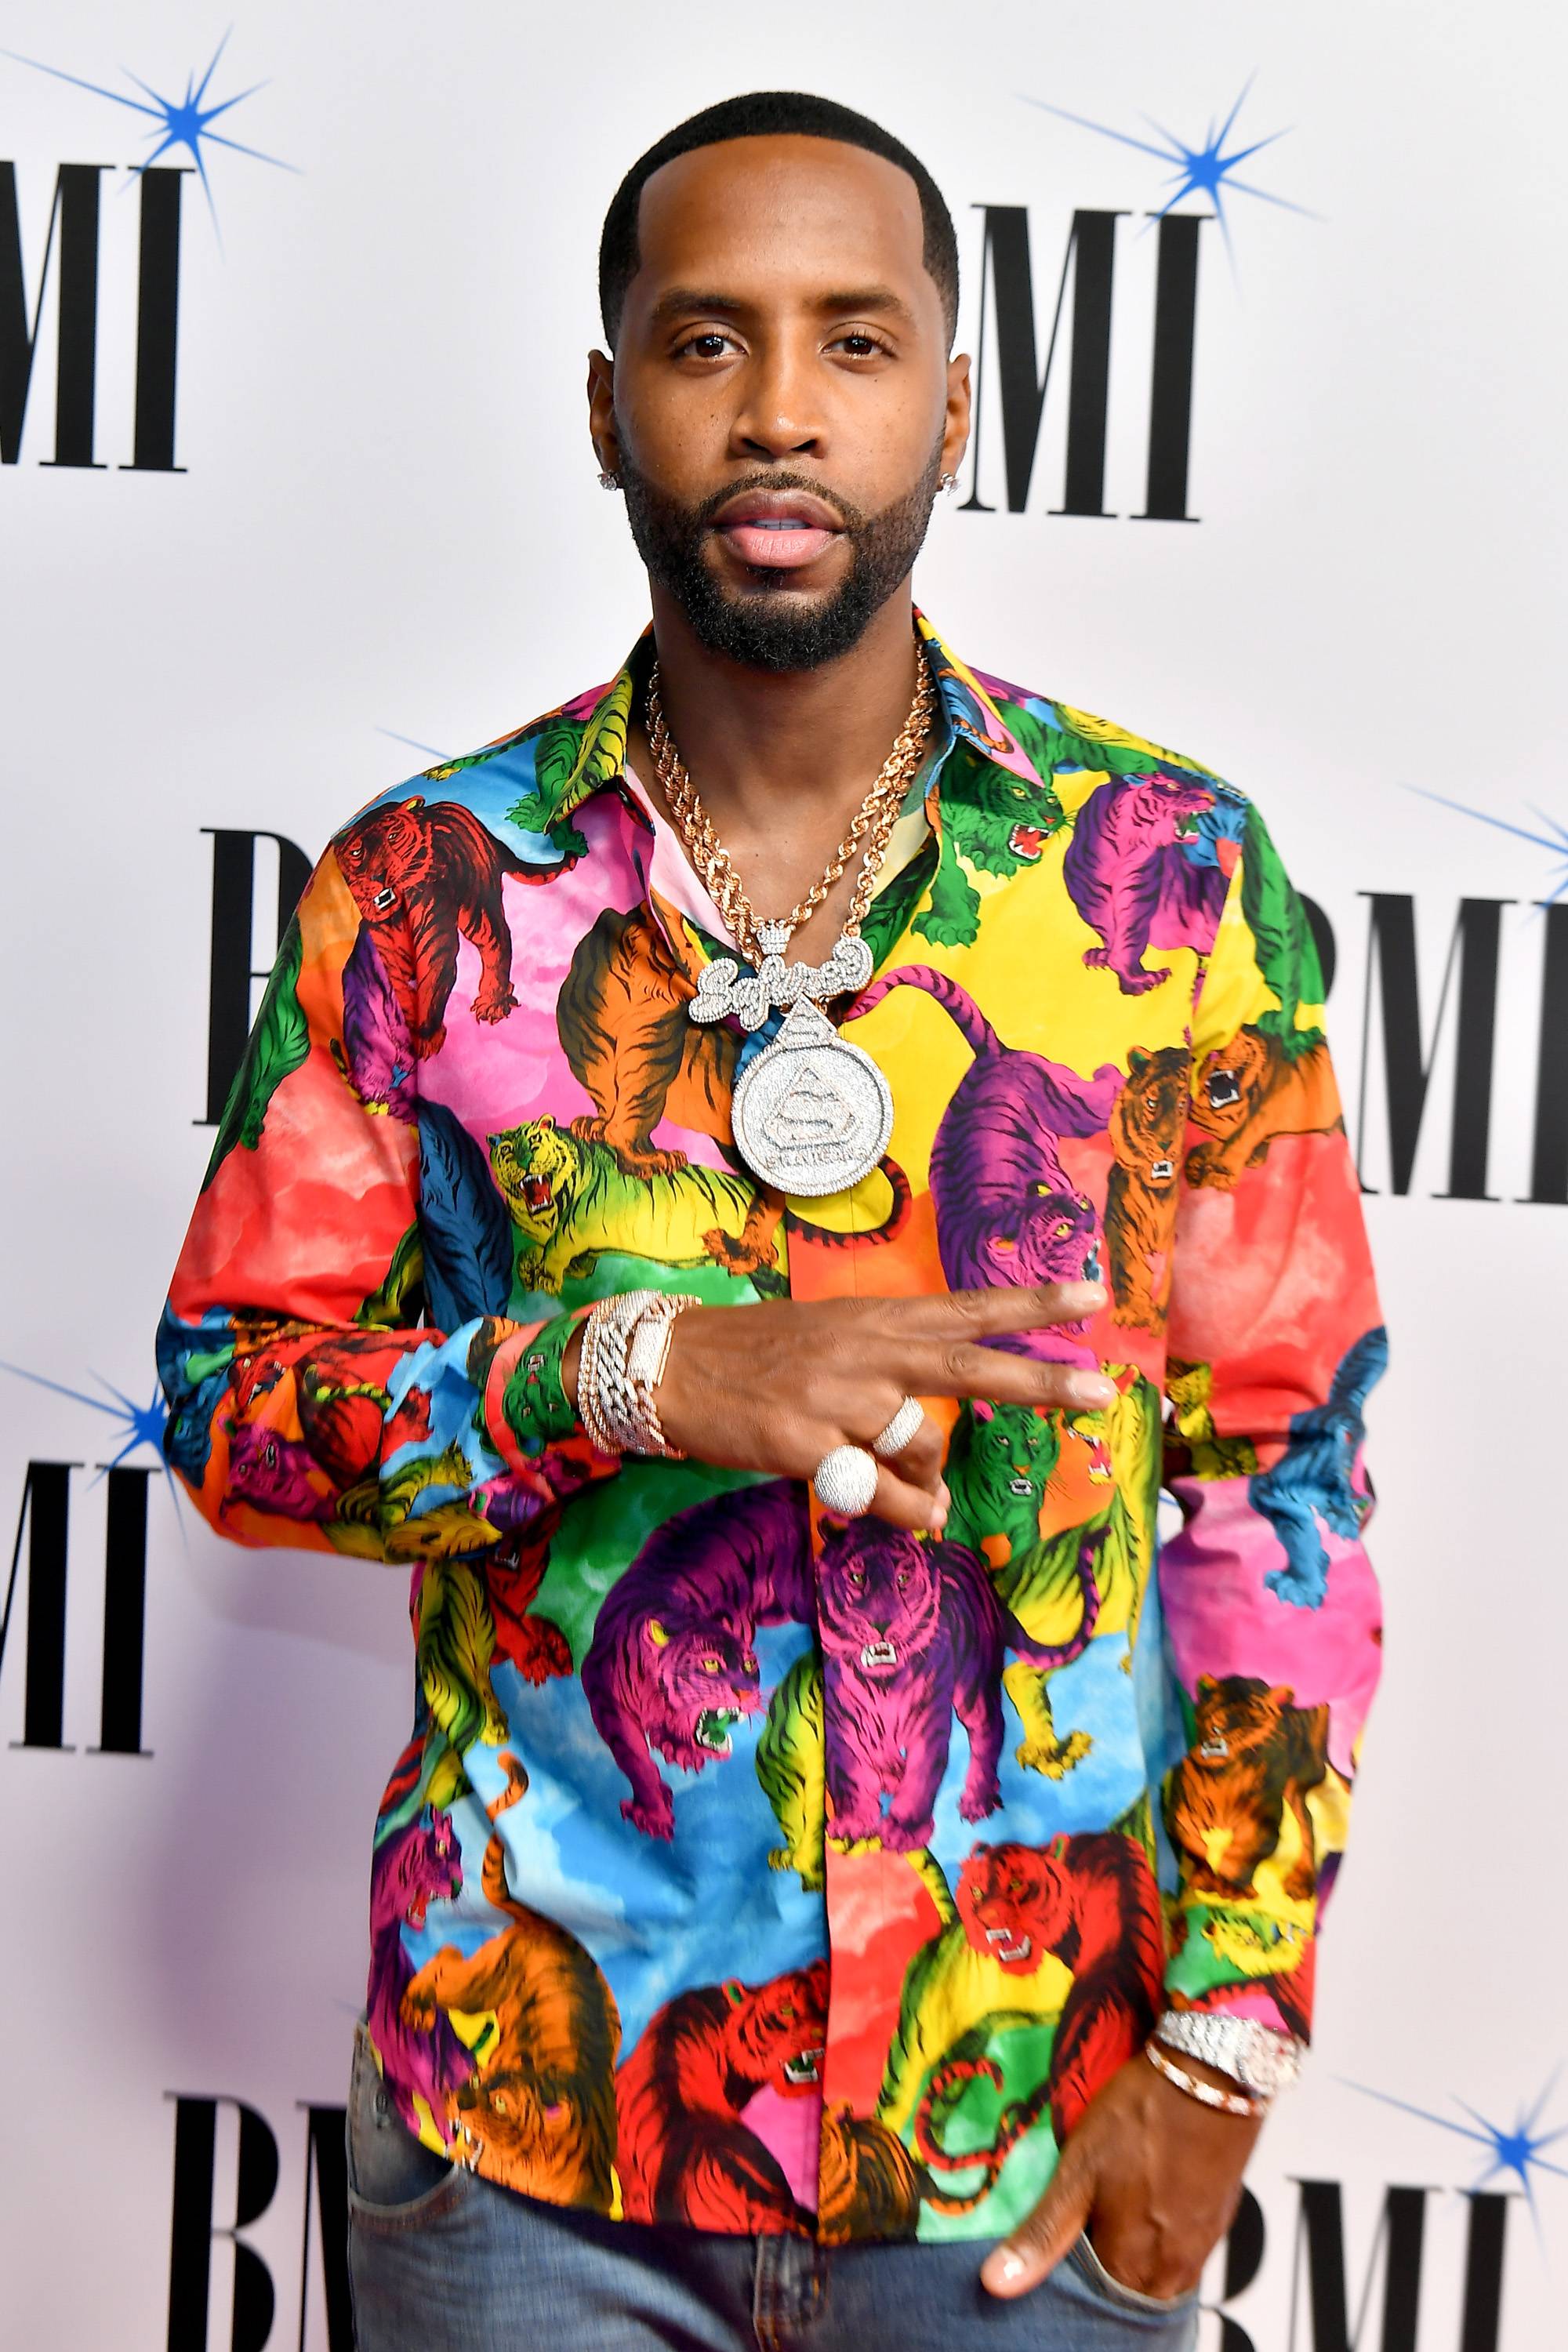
column 970, row 716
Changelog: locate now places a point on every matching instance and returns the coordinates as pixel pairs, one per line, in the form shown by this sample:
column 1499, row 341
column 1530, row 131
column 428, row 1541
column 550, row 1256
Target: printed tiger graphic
column 1253, row 1755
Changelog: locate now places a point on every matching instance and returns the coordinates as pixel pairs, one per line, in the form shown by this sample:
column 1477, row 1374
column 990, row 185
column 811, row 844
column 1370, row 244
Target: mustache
column 768, row 478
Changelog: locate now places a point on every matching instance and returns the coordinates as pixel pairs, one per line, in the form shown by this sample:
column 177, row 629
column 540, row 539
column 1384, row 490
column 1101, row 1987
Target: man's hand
column 776, row 1387
column 1152, row 2175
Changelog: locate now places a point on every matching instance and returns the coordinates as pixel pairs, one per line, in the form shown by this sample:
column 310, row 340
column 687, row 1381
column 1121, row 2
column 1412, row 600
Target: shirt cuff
column 526, row 1405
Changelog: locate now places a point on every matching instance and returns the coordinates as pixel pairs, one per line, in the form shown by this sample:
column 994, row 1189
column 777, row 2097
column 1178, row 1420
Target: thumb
column 1044, row 2236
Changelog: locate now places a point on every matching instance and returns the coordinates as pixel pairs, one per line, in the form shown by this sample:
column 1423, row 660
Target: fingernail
column 1091, row 1388
column 1005, row 2268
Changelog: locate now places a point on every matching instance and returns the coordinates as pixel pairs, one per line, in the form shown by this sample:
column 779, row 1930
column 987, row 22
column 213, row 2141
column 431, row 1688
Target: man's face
column 781, row 406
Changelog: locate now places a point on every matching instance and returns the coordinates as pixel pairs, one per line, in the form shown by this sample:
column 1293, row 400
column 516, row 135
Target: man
column 583, row 1231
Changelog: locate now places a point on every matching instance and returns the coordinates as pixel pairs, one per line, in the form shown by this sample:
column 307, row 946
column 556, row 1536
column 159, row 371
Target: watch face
column 1269, row 2065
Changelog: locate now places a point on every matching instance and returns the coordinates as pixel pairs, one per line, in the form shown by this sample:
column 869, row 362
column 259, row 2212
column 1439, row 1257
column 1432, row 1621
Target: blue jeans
column 442, row 2262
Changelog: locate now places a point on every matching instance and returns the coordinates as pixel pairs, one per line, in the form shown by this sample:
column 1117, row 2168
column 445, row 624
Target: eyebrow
column 682, row 300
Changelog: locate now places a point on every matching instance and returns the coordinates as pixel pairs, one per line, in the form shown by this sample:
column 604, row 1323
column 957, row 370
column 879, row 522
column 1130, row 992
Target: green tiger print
column 997, row 825
column 454, row 1645
column 572, row 1202
column 792, row 1770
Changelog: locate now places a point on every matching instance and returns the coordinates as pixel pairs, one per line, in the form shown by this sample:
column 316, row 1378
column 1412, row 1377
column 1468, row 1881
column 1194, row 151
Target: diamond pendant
column 812, row 1114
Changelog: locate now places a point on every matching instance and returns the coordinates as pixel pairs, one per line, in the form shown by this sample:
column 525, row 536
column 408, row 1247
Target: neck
column 785, row 754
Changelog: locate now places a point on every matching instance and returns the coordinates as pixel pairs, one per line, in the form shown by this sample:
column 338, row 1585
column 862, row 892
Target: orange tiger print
column 1247, row 1092
column 1145, row 1124
column 541, row 2115
column 420, row 878
column 1253, row 1753
column 623, row 1024
column 870, row 2184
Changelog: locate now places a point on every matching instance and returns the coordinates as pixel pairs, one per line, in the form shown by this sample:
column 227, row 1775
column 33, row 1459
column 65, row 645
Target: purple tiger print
column 416, row 1866
column 671, row 1666
column 1133, row 882
column 376, row 1054
column 913, row 1632
column 1007, row 1214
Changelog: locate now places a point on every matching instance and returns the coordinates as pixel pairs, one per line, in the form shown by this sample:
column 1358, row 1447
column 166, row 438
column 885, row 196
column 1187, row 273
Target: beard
column 774, row 626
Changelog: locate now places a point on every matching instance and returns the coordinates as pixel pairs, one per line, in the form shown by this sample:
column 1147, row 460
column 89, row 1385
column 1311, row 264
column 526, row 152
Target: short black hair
column 764, row 114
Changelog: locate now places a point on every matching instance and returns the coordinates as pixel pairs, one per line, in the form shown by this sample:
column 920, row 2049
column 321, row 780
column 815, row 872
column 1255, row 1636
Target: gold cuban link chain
column 876, row 817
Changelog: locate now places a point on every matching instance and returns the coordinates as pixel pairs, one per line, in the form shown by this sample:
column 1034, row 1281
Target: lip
column 777, row 531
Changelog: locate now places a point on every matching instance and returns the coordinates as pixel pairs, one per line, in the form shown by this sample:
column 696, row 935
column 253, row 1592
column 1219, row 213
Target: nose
column 781, row 414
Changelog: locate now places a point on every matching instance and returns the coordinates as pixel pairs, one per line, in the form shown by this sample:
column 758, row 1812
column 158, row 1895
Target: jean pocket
column 1126, row 2298
column 394, row 2179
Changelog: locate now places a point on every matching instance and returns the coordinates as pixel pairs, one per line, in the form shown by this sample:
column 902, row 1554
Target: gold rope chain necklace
column 876, row 817
column 811, row 1113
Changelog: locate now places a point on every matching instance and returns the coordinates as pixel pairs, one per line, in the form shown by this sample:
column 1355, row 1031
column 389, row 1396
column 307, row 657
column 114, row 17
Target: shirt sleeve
column 1272, row 1609
column 324, row 1387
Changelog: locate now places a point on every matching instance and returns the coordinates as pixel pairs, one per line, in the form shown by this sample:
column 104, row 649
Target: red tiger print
column 685, row 2152
column 421, row 877
column 1092, row 1901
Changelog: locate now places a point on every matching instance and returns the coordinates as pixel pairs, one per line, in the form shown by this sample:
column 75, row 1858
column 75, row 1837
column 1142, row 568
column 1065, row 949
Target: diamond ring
column 846, row 1480
column 900, row 1430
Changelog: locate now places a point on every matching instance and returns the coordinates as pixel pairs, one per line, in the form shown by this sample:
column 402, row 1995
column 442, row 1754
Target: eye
column 712, row 1665
column 708, row 344
column 858, row 344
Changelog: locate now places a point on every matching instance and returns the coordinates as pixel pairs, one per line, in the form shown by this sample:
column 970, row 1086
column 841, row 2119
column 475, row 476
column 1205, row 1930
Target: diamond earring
column 608, row 481
column 950, row 483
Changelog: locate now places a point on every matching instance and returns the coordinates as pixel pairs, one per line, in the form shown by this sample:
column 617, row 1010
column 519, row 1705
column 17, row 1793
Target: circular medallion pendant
column 812, row 1114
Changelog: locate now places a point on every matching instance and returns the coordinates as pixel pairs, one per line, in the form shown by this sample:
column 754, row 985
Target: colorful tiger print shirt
column 743, row 1870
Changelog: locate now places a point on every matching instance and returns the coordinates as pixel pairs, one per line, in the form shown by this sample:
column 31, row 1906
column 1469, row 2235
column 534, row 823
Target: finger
column 919, row 1458
column 904, row 1505
column 1038, row 2245
column 960, row 1368
column 920, row 1461
column 982, row 1314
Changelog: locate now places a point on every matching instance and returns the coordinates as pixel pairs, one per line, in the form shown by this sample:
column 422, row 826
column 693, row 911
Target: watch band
column 1261, row 2058
column 1229, row 2103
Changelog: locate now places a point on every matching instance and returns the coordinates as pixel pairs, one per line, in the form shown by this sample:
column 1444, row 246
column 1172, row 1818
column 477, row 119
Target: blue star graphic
column 181, row 121
column 1516, row 2151
column 1205, row 170
column 1554, row 839
column 436, row 759
column 141, row 1424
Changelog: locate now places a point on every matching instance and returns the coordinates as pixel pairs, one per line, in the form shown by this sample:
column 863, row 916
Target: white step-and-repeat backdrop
column 297, row 492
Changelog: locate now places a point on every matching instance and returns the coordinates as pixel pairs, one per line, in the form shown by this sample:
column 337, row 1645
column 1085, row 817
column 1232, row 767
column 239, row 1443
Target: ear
column 1137, row 1062
column 603, row 430
column 980, row 1408
column 656, row 1634
column 416, row 802
column 733, row 1990
column 1282, row 1695
column 1207, row 1686
column 957, row 416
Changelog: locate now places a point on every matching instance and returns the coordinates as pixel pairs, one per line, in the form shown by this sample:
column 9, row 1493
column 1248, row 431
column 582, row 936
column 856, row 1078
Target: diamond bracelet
column 1261, row 2057
column 626, row 1347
